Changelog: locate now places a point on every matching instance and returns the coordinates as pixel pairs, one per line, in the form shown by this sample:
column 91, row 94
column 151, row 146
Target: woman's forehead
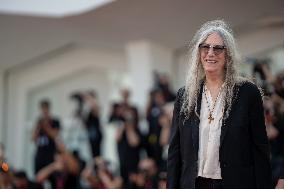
column 214, row 39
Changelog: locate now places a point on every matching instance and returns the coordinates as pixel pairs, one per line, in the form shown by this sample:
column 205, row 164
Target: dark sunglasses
column 217, row 49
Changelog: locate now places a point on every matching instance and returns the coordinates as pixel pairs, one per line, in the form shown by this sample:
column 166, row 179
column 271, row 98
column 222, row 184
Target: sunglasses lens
column 217, row 49
column 204, row 48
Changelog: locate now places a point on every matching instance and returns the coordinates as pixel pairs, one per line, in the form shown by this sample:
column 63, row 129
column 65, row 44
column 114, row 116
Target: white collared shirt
column 209, row 137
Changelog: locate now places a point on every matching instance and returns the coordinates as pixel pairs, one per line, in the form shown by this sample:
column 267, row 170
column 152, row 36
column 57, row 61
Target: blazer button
column 224, row 164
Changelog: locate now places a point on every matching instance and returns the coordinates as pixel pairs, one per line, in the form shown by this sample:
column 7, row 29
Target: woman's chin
column 211, row 70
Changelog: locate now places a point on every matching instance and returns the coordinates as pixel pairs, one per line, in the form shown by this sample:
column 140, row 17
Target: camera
column 77, row 97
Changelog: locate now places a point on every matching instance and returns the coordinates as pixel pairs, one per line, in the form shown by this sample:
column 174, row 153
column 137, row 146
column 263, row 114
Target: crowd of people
column 142, row 156
column 273, row 89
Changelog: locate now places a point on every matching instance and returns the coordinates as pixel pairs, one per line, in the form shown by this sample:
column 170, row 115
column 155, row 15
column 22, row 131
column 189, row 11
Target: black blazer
column 281, row 173
column 243, row 153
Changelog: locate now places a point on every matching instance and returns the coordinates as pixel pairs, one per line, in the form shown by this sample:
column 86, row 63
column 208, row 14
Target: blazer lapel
column 224, row 127
column 196, row 121
column 225, row 121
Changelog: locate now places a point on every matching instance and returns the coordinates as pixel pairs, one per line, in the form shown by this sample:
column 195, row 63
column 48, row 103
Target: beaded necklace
column 210, row 117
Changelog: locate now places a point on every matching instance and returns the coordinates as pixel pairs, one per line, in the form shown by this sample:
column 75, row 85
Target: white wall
column 182, row 64
column 144, row 57
column 162, row 58
column 2, row 93
column 277, row 60
column 252, row 44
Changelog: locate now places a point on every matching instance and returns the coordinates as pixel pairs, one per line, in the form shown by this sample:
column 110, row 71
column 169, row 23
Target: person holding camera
column 128, row 143
column 46, row 130
column 87, row 112
column 92, row 123
column 64, row 170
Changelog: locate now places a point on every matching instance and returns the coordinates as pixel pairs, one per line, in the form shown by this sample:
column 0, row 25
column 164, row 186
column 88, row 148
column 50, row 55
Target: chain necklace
column 210, row 117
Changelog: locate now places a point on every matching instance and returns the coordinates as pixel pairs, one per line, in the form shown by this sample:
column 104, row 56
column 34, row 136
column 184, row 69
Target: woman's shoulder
column 248, row 86
column 181, row 91
column 180, row 95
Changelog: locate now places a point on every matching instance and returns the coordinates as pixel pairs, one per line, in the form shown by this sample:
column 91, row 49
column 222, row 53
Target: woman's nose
column 211, row 52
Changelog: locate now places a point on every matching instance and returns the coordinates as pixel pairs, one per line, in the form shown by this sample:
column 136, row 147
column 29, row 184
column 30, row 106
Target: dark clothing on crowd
column 21, row 181
column 168, row 94
column 277, row 149
column 129, row 156
column 244, row 150
column 152, row 144
column 150, row 182
column 127, row 116
column 114, row 118
column 132, row 116
column 30, row 185
column 116, row 114
column 65, row 180
column 45, row 145
column 94, row 133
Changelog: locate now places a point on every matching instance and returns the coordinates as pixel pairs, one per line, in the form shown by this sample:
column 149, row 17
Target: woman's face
column 213, row 54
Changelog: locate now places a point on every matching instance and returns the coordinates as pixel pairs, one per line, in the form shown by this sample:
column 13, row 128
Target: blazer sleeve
column 281, row 174
column 174, row 157
column 260, row 146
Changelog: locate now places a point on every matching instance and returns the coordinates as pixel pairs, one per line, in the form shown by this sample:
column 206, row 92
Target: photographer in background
column 263, row 75
column 154, row 117
column 162, row 82
column 128, row 140
column 273, row 87
column 90, row 118
column 46, row 130
column 65, row 169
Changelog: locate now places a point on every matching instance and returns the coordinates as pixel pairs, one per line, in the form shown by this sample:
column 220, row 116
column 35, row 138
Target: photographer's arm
column 52, row 132
column 72, row 165
column 115, row 183
column 45, row 172
column 35, row 133
column 89, row 177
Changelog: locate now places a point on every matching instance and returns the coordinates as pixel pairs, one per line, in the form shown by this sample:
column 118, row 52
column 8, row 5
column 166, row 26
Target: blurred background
column 87, row 87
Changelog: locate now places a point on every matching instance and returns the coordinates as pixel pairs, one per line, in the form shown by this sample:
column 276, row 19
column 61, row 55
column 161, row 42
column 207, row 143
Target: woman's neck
column 214, row 83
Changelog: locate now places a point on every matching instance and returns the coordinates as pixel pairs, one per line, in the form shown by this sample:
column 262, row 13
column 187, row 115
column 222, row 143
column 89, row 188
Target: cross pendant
column 210, row 118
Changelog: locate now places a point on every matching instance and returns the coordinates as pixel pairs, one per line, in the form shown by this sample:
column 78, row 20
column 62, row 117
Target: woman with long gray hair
column 218, row 138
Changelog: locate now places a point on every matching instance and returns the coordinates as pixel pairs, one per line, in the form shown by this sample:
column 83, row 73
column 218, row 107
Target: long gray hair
column 196, row 73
